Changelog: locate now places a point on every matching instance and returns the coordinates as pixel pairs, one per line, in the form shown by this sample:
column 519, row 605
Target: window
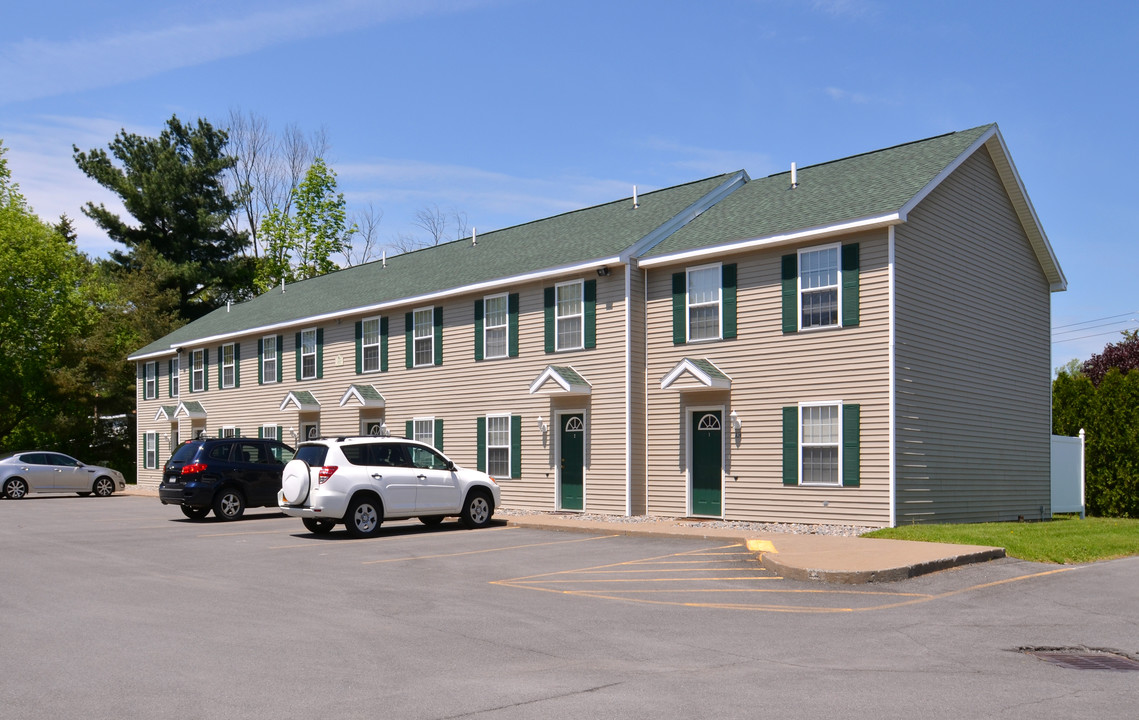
column 150, row 451
column 198, row 371
column 495, row 322
column 269, row 359
column 569, row 315
column 150, row 382
column 704, row 303
column 228, row 431
column 370, row 345
column 424, row 336
column 174, row 377
column 818, row 287
column 228, row 360
column 424, row 459
column 423, row 430
column 308, row 354
column 269, row 432
column 820, row 445
column 498, row 446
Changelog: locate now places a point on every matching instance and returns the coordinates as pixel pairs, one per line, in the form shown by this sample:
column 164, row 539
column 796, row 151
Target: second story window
column 308, row 354
column 150, row 383
column 370, row 345
column 269, row 359
column 569, row 314
column 198, row 371
column 424, row 337
column 495, row 321
column 704, row 303
column 818, row 287
column 174, row 377
column 228, row 361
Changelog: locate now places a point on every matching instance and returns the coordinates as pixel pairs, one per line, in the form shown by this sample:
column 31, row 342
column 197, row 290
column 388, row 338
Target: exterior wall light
column 736, row 423
column 542, row 426
column 603, row 271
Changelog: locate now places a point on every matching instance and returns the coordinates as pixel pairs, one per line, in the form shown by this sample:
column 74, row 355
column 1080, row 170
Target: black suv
column 226, row 475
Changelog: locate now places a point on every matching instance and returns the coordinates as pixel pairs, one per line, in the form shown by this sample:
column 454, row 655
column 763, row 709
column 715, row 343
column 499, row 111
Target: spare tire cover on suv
column 295, row 482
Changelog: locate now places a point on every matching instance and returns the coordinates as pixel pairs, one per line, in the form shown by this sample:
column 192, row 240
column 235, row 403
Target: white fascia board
column 497, row 283
column 152, row 355
column 693, row 211
column 823, row 231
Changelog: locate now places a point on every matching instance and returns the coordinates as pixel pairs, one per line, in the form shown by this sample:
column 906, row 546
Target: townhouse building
column 864, row 341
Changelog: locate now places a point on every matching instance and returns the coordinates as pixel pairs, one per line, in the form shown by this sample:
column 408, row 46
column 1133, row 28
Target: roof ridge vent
column 474, row 236
column 635, row 203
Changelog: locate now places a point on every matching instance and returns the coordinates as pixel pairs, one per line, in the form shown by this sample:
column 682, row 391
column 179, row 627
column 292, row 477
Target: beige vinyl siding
column 770, row 370
column 973, row 358
column 457, row 392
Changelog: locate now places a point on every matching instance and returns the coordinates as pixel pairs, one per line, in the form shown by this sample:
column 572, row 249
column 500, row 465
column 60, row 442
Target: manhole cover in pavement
column 1082, row 658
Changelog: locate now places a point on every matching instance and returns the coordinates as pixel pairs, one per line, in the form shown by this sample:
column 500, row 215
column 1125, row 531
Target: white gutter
column 867, row 223
column 892, row 402
column 628, row 389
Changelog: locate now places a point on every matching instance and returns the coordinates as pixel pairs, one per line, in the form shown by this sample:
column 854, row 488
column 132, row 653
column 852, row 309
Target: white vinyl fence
column 1068, row 474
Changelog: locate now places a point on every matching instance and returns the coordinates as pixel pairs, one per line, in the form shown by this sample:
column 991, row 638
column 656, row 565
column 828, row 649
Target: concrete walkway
column 828, row 558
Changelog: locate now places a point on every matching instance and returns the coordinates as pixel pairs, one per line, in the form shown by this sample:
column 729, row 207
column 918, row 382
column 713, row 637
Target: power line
column 1090, row 327
column 1084, row 337
column 1085, row 322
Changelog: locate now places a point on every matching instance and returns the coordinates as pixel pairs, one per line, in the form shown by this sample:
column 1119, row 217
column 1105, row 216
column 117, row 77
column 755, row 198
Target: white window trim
column 313, row 354
column 509, row 444
column 719, row 303
column 150, row 381
column 487, row 327
column 150, row 451
column 228, row 432
column 580, row 314
column 430, row 421
column 364, row 422
column 175, row 378
column 265, row 429
column 231, row 366
column 269, row 377
column 197, row 376
column 799, row 288
column 302, row 434
column 365, row 345
column 429, row 337
column 837, row 405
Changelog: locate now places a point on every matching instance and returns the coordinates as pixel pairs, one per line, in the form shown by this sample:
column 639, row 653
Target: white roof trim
column 301, row 407
column 704, row 381
column 562, row 385
column 823, row 231
column 353, row 392
column 184, row 411
column 161, row 413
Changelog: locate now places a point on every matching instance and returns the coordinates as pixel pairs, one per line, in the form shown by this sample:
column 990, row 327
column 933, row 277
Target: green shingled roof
column 861, row 186
column 580, row 236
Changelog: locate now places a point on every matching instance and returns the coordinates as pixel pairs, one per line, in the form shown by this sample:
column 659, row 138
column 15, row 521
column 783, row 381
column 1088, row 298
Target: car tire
column 319, row 526
column 431, row 520
column 295, row 482
column 478, row 509
column 103, row 487
column 364, row 517
column 229, row 504
column 194, row 513
column 15, row 488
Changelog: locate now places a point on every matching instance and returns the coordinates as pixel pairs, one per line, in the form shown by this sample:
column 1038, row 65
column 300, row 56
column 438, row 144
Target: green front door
column 571, row 470
column 707, row 462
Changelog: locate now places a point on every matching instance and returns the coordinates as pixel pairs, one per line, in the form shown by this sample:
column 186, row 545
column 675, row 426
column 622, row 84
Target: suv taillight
column 325, row 473
column 193, row 468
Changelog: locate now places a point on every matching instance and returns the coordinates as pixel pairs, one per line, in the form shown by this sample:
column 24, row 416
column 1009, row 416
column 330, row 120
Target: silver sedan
column 52, row 472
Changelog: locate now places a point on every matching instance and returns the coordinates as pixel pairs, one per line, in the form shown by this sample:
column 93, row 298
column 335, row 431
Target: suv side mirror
column 451, row 467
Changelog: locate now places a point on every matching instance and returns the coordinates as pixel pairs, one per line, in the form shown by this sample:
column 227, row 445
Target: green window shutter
column 206, row 369
column 439, row 434
column 260, row 362
column 679, row 325
column 851, row 434
column 850, row 285
column 280, row 433
column 260, row 433
column 219, row 432
column 790, row 276
column 438, row 327
column 478, row 330
column 590, row 293
column 409, row 345
column 237, row 432
column 548, row 306
column 728, row 293
column 515, row 446
column 298, row 356
column 409, row 429
column 480, row 443
column 512, row 319
column 791, row 445
column 319, row 353
column 359, row 347
column 383, row 344
column 280, row 358
column 237, row 364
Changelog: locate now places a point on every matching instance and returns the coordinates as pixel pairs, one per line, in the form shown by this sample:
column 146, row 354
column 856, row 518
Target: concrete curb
column 886, row 574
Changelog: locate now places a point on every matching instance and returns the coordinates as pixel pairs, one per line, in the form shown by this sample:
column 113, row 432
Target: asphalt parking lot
column 122, row 608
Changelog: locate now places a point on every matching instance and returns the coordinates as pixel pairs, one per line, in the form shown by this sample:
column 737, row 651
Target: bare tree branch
column 364, row 241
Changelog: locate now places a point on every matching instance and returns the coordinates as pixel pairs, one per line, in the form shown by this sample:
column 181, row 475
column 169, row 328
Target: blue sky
column 513, row 110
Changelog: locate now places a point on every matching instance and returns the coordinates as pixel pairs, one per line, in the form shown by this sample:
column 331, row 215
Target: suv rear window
column 185, row 452
column 312, row 454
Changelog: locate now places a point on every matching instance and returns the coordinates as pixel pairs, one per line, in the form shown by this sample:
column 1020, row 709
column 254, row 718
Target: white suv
column 362, row 481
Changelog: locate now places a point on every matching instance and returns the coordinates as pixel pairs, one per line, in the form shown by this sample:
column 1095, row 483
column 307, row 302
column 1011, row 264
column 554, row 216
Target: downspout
column 629, row 388
column 893, row 410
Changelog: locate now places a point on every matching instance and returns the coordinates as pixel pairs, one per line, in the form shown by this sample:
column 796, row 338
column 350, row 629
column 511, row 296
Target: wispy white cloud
column 35, row 68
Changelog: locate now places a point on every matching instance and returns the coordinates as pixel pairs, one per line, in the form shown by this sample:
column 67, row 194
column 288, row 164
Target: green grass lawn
column 1062, row 540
